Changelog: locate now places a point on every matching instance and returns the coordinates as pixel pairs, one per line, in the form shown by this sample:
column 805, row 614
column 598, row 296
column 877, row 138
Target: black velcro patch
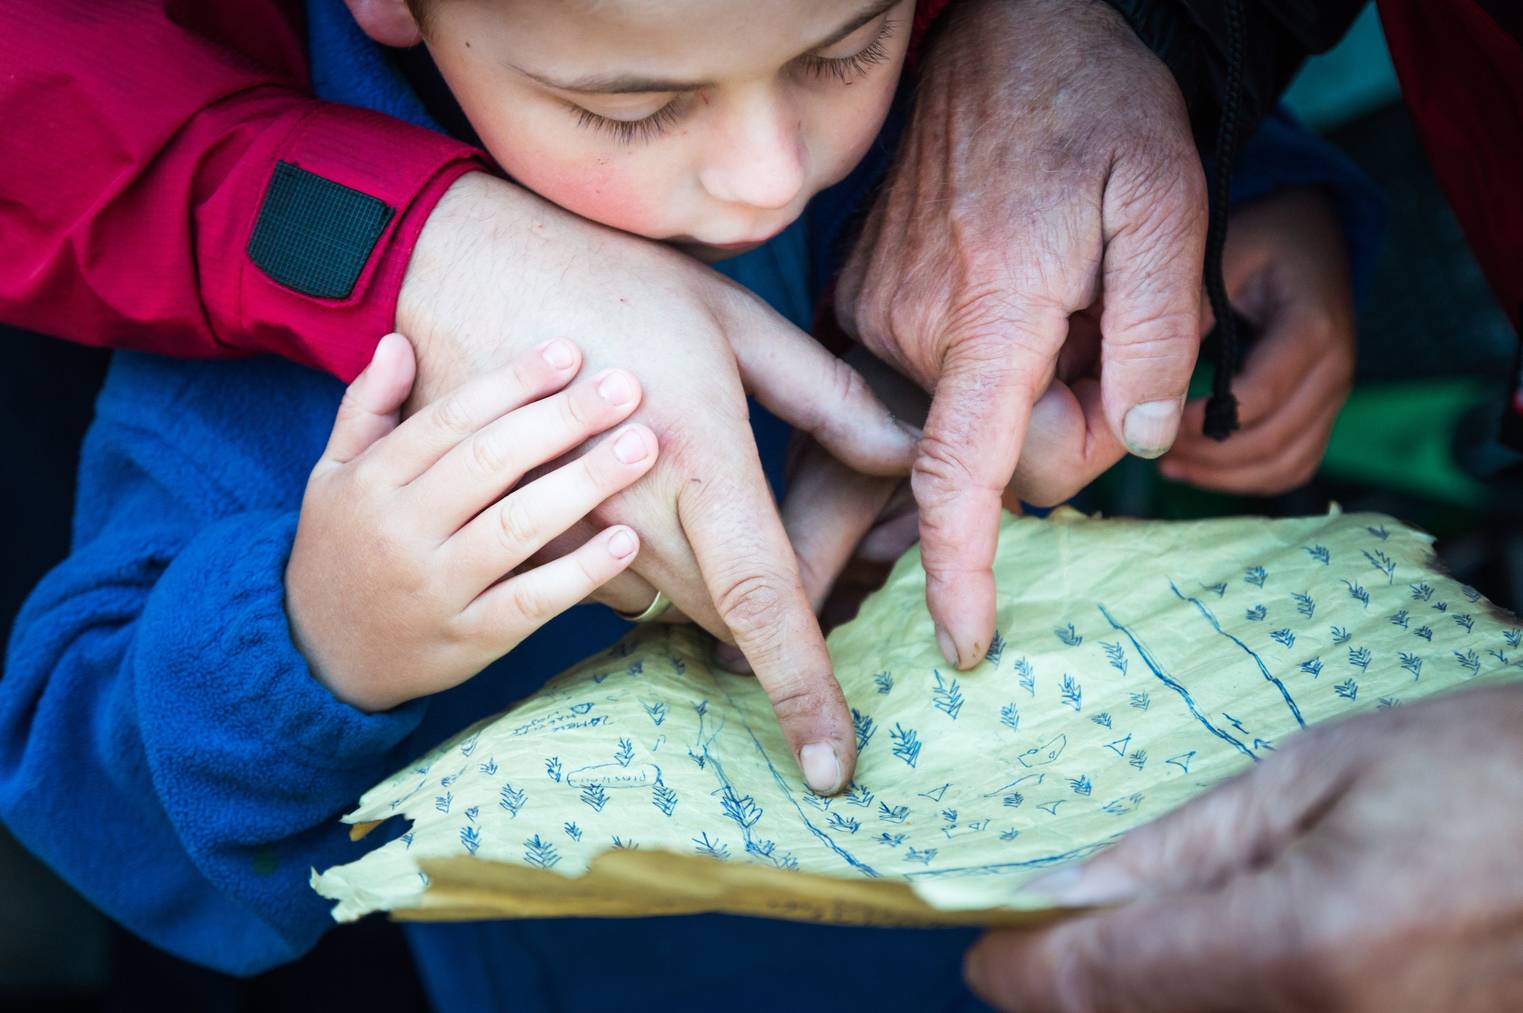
column 314, row 235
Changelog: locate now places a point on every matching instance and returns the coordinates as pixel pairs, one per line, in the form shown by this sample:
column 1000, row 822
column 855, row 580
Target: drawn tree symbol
column 540, row 854
column 511, row 799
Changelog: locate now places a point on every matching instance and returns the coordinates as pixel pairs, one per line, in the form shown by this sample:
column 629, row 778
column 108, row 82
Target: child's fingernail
column 558, row 354
column 948, row 648
column 1150, row 427
column 616, row 389
column 822, row 771
column 630, row 447
column 622, row 544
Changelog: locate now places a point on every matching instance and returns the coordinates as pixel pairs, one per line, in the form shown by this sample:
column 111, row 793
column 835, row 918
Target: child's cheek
column 604, row 191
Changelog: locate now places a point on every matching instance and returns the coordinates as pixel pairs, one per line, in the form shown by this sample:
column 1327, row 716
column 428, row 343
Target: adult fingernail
column 822, row 771
column 622, row 544
column 948, row 647
column 558, row 354
column 630, row 447
column 616, row 389
column 1150, row 427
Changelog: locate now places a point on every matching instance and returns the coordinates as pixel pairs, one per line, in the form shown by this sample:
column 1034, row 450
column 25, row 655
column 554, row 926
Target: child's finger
column 518, row 525
column 430, row 433
column 371, row 405
column 513, row 609
column 1290, row 467
column 472, row 475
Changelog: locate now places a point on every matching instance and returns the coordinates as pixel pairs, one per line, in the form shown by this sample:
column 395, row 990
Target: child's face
column 706, row 123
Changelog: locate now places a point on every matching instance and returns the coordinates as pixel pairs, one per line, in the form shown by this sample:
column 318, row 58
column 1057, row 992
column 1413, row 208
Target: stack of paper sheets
column 1137, row 664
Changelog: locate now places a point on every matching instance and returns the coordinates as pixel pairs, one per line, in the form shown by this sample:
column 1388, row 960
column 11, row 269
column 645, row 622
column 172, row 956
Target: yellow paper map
column 1137, row 663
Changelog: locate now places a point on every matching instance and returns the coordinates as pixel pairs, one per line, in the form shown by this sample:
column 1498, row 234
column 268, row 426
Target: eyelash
column 842, row 68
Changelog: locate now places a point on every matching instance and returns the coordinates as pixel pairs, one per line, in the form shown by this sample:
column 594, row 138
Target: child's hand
column 1287, row 271
column 401, row 579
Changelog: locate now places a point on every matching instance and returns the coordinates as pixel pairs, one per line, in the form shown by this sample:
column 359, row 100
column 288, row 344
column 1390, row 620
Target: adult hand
column 1286, row 269
column 1373, row 864
column 497, row 270
column 1049, row 169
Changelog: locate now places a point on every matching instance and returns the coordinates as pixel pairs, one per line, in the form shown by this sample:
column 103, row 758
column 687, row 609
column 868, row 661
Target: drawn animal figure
column 1047, row 752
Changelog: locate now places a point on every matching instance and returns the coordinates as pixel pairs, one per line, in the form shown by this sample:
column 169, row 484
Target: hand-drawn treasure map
column 1136, row 664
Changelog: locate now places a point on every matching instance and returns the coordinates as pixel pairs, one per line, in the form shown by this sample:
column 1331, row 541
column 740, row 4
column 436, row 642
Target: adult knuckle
column 752, row 606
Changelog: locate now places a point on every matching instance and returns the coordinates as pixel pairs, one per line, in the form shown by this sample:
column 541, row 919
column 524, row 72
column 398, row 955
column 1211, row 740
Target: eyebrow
column 630, row 84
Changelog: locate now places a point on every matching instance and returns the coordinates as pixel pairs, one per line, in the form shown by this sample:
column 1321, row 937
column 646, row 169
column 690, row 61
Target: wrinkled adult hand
column 498, row 270
column 1373, row 864
column 1049, row 169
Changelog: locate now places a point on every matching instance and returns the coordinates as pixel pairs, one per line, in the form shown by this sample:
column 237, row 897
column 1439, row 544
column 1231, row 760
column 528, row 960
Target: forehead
column 701, row 39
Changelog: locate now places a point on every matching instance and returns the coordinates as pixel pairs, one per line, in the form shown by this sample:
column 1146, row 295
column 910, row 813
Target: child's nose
column 759, row 159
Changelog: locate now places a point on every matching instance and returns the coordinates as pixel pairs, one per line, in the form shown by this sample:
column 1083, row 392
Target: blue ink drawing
column 1051, row 808
column 1103, row 719
column 1385, row 703
column 1072, row 693
column 1122, row 806
column 996, row 650
column 820, row 802
column 656, row 712
column 636, row 667
column 470, row 838
column 580, row 708
column 1010, row 716
column 906, row 744
column 740, row 808
column 1235, row 723
column 1463, row 620
column 1412, row 663
column 917, row 855
column 946, row 697
column 1256, row 614
column 1025, row 676
column 1441, row 606
column 1081, row 785
column 935, row 794
column 573, row 831
column 1313, row 667
column 1382, row 562
column 884, row 681
column 468, row 746
column 896, row 814
column 1218, row 589
column 1379, row 531
column 845, row 824
column 1284, row 637
column 1139, row 701
column 1319, row 553
column 1421, row 592
column 1498, row 654
column 1340, row 635
column 1138, row 759
column 489, row 767
column 1068, row 635
column 620, row 844
column 1426, row 632
column 949, row 816
column 663, row 798
column 511, row 799
column 553, row 767
column 442, row 802
column 1358, row 593
column 1009, row 835
column 892, row 840
column 1514, row 637
column 1348, row 689
column 1359, row 657
column 595, row 796
column 1468, row 661
column 1304, row 604
column 864, row 727
column 1470, row 593
column 1400, row 618
column 1255, row 575
column 626, row 752
column 540, row 854
column 857, row 794
column 711, row 848
column 1013, row 800
column 1182, row 761
column 1120, row 746
column 407, row 840
column 1115, row 654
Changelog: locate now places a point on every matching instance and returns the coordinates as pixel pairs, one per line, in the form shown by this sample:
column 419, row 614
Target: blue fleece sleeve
column 1283, row 155
column 163, row 745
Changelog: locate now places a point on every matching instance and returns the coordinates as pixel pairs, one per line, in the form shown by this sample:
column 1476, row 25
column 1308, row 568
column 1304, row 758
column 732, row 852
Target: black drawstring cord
column 1221, row 410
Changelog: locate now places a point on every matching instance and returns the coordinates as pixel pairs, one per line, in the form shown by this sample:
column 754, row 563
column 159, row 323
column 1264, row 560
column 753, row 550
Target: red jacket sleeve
column 140, row 138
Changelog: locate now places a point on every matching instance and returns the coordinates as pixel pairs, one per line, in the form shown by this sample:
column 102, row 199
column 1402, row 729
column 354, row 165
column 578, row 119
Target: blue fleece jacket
column 165, row 748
